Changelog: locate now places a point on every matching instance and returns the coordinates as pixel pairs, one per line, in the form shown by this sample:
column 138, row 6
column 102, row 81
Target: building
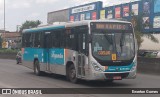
column 11, row 36
column 85, row 12
column 58, row 16
column 147, row 10
column 12, row 39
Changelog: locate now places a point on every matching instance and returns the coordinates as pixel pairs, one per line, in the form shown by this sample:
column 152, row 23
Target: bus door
column 81, row 53
column 47, row 46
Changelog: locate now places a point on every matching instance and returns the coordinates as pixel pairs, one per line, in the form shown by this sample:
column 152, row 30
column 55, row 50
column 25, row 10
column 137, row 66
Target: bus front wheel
column 37, row 68
column 72, row 74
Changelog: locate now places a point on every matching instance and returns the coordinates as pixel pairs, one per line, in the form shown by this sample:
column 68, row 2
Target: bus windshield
column 113, row 45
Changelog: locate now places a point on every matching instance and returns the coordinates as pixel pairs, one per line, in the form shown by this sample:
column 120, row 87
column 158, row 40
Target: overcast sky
column 18, row 11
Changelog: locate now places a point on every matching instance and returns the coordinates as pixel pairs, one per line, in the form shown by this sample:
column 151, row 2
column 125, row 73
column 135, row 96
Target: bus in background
column 88, row 50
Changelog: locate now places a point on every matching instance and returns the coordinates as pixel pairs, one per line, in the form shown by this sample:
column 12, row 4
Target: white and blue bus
column 88, row 50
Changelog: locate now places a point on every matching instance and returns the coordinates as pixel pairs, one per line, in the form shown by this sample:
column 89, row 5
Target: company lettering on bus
column 112, row 26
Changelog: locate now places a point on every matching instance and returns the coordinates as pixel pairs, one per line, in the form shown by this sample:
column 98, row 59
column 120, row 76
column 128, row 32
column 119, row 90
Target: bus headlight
column 134, row 67
column 96, row 67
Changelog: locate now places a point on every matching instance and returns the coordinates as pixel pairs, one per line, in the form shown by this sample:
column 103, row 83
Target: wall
column 149, row 65
column 8, row 56
column 58, row 16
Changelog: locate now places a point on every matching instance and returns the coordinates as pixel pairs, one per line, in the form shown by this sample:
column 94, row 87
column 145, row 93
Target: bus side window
column 53, row 39
column 57, row 39
column 82, row 39
column 62, row 42
column 37, row 40
column 67, row 39
column 32, row 39
column 70, row 38
column 47, row 39
column 28, row 40
column 42, row 40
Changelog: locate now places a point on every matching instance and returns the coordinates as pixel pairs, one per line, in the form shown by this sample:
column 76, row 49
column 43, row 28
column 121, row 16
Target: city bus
column 87, row 50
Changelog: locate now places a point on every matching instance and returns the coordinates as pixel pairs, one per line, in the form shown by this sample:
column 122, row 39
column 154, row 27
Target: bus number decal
column 114, row 57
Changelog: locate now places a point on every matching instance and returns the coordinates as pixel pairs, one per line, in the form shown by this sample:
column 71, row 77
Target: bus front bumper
column 112, row 75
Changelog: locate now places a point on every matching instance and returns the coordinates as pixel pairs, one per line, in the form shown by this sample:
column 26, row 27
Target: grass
column 8, row 51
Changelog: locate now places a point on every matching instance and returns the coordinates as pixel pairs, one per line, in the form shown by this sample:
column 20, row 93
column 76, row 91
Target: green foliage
column 0, row 42
column 8, row 51
column 150, row 55
column 30, row 24
column 139, row 36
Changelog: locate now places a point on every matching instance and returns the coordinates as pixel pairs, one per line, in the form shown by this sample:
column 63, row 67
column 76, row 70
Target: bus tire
column 37, row 68
column 71, row 75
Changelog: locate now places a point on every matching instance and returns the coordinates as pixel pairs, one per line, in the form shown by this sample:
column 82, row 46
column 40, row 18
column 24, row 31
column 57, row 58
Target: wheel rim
column 36, row 68
column 72, row 73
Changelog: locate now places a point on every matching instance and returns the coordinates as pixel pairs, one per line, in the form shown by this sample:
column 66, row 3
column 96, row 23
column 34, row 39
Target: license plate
column 117, row 77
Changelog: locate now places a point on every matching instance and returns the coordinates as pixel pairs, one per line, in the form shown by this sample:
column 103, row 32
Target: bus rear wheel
column 72, row 74
column 37, row 68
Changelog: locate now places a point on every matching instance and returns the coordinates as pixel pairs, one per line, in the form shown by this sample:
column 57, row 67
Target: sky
column 18, row 11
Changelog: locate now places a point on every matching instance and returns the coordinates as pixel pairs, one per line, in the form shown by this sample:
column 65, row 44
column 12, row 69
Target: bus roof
column 86, row 22
column 69, row 24
column 45, row 28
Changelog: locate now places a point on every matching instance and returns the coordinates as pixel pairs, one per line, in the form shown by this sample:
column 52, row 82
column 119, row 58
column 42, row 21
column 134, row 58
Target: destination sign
column 112, row 26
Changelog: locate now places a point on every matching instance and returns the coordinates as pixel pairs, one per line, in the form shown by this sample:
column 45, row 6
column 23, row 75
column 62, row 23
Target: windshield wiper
column 122, row 41
column 109, row 39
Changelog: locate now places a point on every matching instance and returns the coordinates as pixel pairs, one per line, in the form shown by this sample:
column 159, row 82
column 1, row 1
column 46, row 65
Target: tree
column 0, row 41
column 137, row 21
column 30, row 24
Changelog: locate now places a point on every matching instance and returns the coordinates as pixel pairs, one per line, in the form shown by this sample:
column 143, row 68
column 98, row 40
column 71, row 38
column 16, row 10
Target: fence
column 149, row 65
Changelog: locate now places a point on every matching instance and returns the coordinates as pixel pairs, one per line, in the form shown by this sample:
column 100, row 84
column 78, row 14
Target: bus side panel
column 33, row 53
column 60, row 64
column 57, row 60
column 72, row 56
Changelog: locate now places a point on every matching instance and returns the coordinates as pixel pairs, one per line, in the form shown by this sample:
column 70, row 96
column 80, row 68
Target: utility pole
column 18, row 28
column 4, row 21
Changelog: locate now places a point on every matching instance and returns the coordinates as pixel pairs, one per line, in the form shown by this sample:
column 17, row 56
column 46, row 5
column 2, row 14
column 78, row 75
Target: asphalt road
column 18, row 76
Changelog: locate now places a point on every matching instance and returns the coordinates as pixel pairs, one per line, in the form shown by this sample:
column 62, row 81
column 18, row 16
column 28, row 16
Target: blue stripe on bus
column 44, row 29
column 31, row 53
column 56, row 55
column 119, row 68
